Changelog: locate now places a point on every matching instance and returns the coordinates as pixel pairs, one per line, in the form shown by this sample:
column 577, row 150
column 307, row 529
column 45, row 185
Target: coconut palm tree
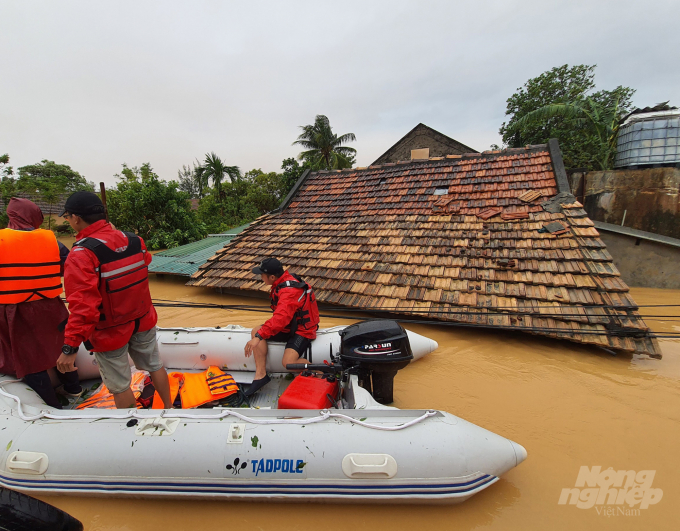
column 603, row 119
column 324, row 149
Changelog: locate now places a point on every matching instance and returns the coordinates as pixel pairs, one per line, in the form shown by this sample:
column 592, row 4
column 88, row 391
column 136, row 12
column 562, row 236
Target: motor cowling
column 375, row 351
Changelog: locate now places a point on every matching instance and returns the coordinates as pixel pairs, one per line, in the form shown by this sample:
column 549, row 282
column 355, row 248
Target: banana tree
column 603, row 120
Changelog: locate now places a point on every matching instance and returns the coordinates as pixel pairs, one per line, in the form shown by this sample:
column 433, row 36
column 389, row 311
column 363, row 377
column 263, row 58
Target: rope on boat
column 325, row 414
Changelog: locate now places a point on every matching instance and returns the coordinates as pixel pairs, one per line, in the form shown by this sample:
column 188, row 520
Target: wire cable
column 622, row 332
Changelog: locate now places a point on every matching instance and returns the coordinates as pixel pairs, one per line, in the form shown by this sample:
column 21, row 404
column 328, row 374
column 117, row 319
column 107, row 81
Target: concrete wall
column 648, row 198
column 644, row 263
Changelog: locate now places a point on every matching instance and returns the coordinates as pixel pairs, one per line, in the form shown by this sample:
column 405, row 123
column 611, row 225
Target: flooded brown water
column 569, row 405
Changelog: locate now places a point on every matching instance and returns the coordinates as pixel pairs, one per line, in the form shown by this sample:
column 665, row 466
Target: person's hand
column 66, row 363
column 250, row 346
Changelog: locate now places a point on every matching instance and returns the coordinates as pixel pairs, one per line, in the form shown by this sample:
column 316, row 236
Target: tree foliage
column 600, row 120
column 265, row 192
column 253, row 195
column 214, row 168
column 8, row 188
column 157, row 211
column 190, row 182
column 292, row 171
column 325, row 149
column 580, row 140
column 46, row 181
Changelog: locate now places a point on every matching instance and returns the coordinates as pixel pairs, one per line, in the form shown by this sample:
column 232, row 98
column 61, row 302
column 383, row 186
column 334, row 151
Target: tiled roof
column 47, row 208
column 486, row 253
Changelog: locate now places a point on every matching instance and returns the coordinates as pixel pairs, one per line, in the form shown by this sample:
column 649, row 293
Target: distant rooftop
column 423, row 142
column 186, row 259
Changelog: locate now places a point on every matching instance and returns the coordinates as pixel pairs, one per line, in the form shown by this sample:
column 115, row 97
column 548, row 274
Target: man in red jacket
column 295, row 320
column 107, row 289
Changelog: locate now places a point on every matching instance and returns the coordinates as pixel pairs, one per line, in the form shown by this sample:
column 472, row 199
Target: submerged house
column 491, row 239
column 422, row 142
column 185, row 260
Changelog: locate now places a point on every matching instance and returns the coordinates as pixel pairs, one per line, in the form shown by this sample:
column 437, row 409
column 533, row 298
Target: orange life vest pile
column 194, row 389
column 102, row 398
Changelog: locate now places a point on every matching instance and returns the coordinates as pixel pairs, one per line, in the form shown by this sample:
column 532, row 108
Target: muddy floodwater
column 569, row 405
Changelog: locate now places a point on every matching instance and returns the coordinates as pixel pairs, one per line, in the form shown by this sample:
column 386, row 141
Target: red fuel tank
column 309, row 392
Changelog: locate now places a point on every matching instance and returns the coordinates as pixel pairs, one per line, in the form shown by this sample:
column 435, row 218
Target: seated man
column 295, row 320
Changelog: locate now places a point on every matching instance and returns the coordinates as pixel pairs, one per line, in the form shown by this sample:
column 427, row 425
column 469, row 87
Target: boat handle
column 27, row 462
column 179, row 342
column 369, row 466
column 157, row 426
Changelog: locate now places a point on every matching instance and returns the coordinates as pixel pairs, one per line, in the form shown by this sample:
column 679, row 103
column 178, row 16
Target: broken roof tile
column 488, row 213
column 515, row 215
column 529, row 196
column 555, row 227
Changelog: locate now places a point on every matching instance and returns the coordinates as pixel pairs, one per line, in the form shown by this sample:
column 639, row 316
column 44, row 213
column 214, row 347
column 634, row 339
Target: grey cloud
column 94, row 85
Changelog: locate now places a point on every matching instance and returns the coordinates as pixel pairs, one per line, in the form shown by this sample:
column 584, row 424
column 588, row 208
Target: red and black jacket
column 295, row 308
column 107, row 288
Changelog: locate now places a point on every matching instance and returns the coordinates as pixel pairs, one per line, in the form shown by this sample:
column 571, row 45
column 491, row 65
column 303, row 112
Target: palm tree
column 603, row 120
column 325, row 149
column 200, row 178
column 213, row 168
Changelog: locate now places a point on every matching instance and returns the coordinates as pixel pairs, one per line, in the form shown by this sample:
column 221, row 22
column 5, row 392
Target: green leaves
column 157, row 211
column 49, row 180
column 600, row 120
column 559, row 104
column 324, row 149
column 46, row 180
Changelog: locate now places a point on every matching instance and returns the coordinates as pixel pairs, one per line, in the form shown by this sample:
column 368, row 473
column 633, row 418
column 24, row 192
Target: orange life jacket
column 29, row 266
column 198, row 388
column 175, row 379
column 103, row 398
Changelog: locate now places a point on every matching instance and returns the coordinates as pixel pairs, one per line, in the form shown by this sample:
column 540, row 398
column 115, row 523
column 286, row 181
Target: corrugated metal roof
column 186, row 259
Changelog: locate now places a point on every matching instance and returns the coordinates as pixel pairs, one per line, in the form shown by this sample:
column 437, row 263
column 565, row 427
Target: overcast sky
column 97, row 84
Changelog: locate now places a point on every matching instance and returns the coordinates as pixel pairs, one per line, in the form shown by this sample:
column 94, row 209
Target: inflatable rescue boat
column 323, row 435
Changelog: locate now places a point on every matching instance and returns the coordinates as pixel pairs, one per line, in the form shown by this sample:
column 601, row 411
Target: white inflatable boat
column 200, row 348
column 358, row 450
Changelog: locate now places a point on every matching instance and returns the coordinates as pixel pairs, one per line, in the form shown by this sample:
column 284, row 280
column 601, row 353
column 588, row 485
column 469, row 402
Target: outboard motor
column 375, row 351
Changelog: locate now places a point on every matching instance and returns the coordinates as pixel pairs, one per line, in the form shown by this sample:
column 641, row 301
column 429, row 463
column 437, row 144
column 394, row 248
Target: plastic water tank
column 649, row 138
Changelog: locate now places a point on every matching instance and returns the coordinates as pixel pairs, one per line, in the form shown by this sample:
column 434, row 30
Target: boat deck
column 265, row 398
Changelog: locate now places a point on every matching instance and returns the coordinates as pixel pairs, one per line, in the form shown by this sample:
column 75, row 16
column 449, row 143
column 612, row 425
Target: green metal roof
column 186, row 259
